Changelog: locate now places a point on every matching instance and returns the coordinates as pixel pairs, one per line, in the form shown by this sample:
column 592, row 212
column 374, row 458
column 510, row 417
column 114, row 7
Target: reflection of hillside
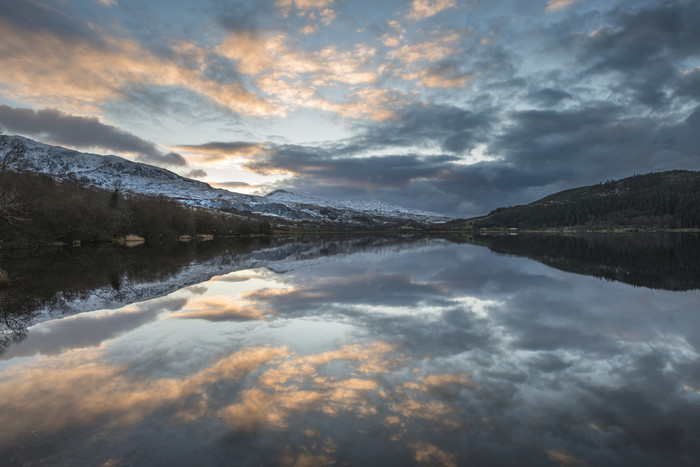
column 57, row 282
column 656, row 261
column 62, row 282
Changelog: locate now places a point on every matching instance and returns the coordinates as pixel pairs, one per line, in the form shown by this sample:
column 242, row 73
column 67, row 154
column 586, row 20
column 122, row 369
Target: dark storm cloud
column 593, row 143
column 377, row 171
column 645, row 46
column 537, row 138
column 451, row 128
column 539, row 152
column 435, row 183
column 84, row 132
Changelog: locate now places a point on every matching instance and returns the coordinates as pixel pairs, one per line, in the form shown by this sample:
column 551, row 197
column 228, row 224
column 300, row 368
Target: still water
column 361, row 351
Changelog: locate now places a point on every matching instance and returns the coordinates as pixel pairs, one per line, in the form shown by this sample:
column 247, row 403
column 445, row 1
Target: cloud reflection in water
column 448, row 356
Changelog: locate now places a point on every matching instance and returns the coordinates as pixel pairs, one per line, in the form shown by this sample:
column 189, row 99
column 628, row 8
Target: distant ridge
column 280, row 206
column 656, row 200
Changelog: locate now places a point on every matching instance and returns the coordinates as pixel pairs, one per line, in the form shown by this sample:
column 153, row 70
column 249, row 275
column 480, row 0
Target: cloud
column 308, row 29
column 303, row 5
column 221, row 151
column 548, row 97
column 448, row 128
column 432, row 63
column 554, row 5
column 448, row 134
column 293, row 78
column 645, row 47
column 311, row 4
column 689, row 85
column 221, row 308
column 230, row 184
column 42, row 19
column 52, row 59
column 421, row 9
column 82, row 132
column 327, row 16
column 432, row 50
column 196, row 173
column 371, row 172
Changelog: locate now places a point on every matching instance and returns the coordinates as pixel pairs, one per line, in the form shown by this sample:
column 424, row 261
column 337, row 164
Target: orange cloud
column 554, row 5
column 434, row 79
column 286, row 5
column 78, row 76
column 445, row 380
column 428, row 51
column 421, row 9
column 223, row 151
column 428, row 454
column 221, row 308
column 280, row 393
column 79, row 387
column 309, row 4
column 292, row 78
column 327, row 16
column 421, row 62
column 564, row 459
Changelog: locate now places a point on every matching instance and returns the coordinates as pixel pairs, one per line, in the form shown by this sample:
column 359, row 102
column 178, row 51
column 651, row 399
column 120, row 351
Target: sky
column 451, row 106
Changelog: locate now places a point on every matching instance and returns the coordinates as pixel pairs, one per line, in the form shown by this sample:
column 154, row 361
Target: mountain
column 334, row 209
column 655, row 200
column 112, row 172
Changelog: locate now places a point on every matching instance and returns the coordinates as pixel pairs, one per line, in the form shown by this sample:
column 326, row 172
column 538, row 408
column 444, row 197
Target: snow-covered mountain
column 111, row 172
column 377, row 208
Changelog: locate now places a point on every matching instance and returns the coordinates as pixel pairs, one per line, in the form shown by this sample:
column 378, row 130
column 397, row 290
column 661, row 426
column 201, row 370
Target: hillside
column 36, row 210
column 656, row 200
column 110, row 172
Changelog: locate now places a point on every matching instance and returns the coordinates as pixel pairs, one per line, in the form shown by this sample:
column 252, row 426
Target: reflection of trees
column 16, row 329
column 52, row 279
column 657, row 261
column 13, row 325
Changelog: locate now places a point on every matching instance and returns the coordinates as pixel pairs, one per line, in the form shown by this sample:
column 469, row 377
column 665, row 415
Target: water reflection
column 431, row 353
column 655, row 260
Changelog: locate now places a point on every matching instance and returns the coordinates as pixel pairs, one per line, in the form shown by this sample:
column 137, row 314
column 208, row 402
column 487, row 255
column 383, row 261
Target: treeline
column 658, row 200
column 36, row 209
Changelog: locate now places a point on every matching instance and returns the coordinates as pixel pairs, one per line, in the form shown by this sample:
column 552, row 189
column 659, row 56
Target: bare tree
column 12, row 150
column 10, row 208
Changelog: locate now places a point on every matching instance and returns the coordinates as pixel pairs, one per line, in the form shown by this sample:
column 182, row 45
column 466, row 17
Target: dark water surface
column 356, row 351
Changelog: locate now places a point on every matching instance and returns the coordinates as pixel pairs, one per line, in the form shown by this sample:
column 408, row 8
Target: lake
column 355, row 350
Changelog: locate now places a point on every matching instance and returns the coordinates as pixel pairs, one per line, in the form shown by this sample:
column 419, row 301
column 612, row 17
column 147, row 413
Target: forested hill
column 659, row 200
